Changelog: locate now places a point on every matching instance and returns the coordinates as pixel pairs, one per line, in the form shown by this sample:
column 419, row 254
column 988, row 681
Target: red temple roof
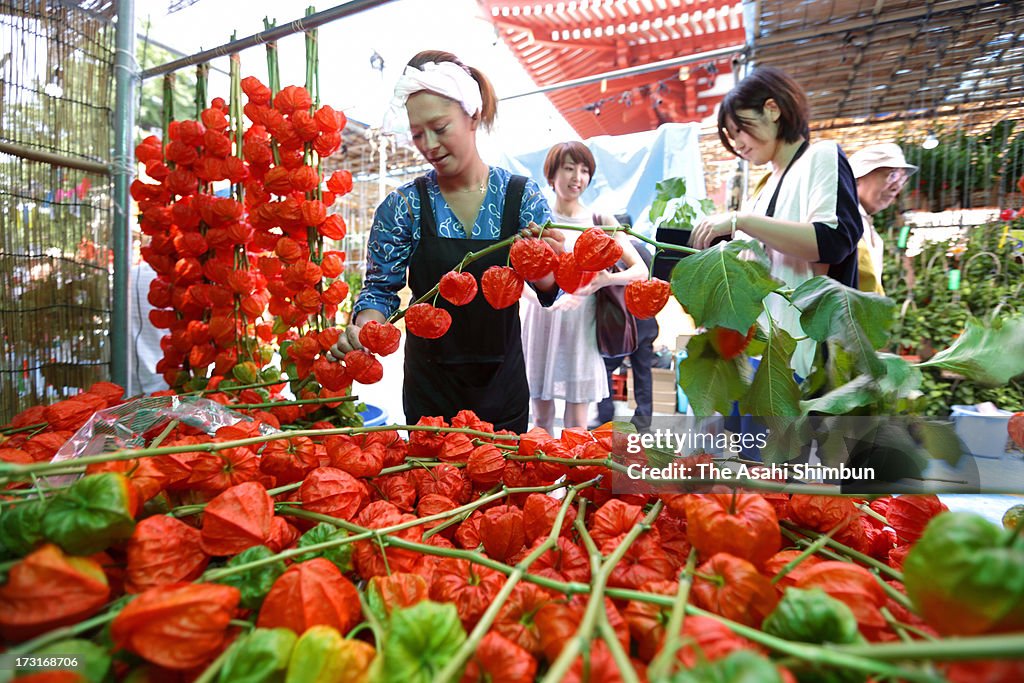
column 561, row 41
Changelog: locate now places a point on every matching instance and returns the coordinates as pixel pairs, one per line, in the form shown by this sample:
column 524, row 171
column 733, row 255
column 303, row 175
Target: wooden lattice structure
column 881, row 70
column 56, row 96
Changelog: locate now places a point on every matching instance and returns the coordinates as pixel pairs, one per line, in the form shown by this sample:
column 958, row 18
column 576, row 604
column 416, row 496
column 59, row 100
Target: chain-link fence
column 56, row 99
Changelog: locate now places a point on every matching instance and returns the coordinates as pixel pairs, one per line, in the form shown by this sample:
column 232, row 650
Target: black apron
column 478, row 364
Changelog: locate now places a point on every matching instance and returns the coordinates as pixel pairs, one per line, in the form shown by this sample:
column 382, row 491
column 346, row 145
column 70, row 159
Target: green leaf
column 940, row 441
column 340, row 556
column 859, row 321
column 774, row 390
column 670, row 188
column 965, row 575
column 860, row 392
column 990, row 355
column 710, row 382
column 901, row 378
column 812, row 616
column 741, row 666
column 320, row 655
column 719, row 288
column 90, row 515
column 422, row 640
column 262, row 656
column 254, row 583
column 21, row 527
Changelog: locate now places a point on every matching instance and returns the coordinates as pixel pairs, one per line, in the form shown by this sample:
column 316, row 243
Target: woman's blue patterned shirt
column 396, row 232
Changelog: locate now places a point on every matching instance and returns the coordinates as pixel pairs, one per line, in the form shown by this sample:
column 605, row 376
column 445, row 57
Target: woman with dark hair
column 427, row 226
column 562, row 358
column 805, row 211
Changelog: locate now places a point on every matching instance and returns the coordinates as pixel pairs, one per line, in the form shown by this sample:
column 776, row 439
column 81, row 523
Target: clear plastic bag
column 123, row 427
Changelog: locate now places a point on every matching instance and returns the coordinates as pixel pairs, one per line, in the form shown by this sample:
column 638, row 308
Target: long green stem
column 210, row 673
column 619, row 655
column 10, row 472
column 585, row 633
column 661, row 666
column 31, row 647
column 1003, row 647
column 810, row 550
column 453, row 668
column 847, row 550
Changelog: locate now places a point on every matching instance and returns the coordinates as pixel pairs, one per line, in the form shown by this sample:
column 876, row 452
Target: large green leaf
column 990, row 355
column 858, row 320
column 774, row 390
column 845, row 399
column 899, row 380
column 719, row 287
column 710, row 382
column 669, row 188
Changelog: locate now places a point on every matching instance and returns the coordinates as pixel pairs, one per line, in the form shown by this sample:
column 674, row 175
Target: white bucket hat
column 882, row 155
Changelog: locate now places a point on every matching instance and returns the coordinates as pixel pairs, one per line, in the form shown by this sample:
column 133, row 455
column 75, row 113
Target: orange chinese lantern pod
column 47, row 589
column 237, row 519
column 163, row 551
column 424, row 320
column 458, row 288
column 363, row 367
column 532, row 258
column 502, row 286
column 330, row 120
column 734, row 589
column 216, row 144
column 380, row 338
column 209, row 169
column 181, row 154
column 369, row 561
column 340, row 182
column 327, row 143
column 304, row 125
column 314, row 213
column 646, row 298
column 278, row 180
column 178, row 627
column 596, row 250
column 302, row 274
column 311, row 593
column 333, row 227
column 334, row 492
column 741, row 524
column 181, row 182
column 568, row 275
column 292, row 97
column 255, row 90
column 305, row 179
column 333, row 263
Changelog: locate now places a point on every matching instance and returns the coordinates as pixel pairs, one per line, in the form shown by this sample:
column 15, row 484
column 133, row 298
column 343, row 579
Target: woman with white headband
column 427, row 226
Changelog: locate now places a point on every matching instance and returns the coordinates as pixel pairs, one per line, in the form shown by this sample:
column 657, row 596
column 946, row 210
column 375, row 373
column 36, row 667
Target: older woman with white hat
column 881, row 171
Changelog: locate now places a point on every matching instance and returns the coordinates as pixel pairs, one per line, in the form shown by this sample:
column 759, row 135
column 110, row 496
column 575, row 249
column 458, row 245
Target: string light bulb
column 930, row 142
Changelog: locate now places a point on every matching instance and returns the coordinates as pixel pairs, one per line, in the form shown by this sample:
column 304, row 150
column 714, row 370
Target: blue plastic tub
column 374, row 416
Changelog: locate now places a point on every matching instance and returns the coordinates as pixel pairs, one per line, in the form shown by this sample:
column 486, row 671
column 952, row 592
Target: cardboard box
column 663, row 390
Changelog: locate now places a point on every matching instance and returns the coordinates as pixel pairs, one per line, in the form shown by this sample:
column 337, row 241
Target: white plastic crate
column 983, row 433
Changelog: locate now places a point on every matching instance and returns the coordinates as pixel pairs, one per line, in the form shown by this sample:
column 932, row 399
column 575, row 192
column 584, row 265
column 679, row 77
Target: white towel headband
column 444, row 78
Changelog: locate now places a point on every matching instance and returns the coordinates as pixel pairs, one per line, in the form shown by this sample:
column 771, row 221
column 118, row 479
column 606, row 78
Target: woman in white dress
column 560, row 342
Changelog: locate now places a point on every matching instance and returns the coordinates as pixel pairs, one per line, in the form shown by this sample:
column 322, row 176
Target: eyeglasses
column 897, row 175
